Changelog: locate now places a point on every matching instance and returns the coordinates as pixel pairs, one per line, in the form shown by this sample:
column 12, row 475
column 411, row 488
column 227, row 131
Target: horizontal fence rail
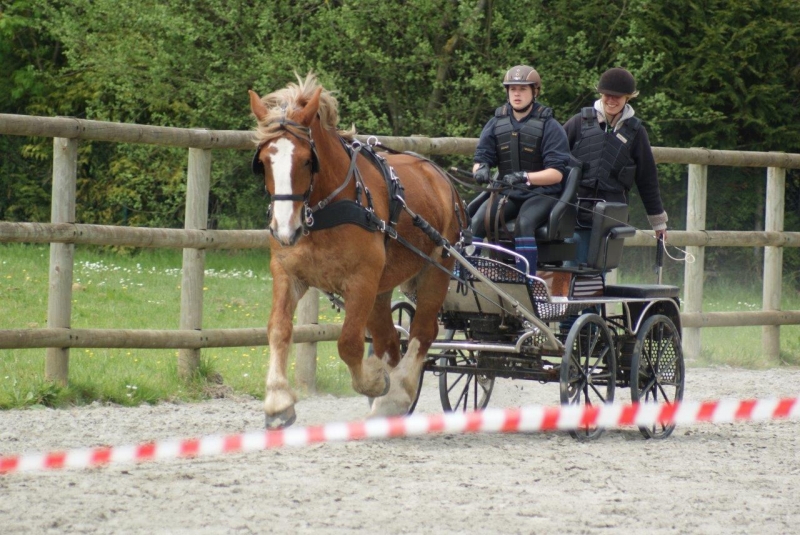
column 159, row 339
column 74, row 128
column 85, row 234
column 63, row 233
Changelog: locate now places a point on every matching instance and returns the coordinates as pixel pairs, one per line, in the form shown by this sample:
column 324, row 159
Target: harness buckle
column 373, row 141
column 389, row 231
column 309, row 219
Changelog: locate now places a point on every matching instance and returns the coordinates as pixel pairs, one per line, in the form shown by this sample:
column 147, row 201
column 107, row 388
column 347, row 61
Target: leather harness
column 326, row 214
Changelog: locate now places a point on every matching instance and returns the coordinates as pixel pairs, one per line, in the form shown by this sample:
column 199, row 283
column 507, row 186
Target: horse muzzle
column 287, row 239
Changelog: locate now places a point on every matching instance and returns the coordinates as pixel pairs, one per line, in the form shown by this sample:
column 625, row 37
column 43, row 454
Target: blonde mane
column 282, row 103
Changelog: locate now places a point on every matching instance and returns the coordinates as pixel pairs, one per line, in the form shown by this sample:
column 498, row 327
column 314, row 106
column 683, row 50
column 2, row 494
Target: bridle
column 308, row 211
column 258, row 166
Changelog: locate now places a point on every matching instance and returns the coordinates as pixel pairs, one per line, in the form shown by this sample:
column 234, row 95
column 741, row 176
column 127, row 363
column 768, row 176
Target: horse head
column 287, row 160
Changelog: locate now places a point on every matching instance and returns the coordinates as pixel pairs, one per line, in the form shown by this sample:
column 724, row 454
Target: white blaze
column 281, row 159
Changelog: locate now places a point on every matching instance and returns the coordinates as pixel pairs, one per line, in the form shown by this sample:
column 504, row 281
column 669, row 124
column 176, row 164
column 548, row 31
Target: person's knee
column 526, row 226
column 478, row 228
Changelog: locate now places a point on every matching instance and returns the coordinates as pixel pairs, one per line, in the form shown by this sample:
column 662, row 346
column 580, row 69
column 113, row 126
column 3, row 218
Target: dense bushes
column 720, row 74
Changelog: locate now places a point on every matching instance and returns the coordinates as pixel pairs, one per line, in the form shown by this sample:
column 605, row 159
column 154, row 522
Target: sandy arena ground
column 733, row 478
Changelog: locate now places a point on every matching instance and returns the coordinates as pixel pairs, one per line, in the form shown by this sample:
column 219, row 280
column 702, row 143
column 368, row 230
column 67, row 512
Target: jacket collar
column 627, row 113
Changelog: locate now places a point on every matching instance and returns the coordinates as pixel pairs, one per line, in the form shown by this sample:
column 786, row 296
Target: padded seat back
column 561, row 223
column 609, row 230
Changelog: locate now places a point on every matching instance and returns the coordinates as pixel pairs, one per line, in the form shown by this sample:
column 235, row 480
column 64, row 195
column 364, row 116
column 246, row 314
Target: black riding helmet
column 617, row 82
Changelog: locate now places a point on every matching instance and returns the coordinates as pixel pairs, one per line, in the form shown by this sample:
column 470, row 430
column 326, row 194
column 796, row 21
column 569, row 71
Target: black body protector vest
column 608, row 166
column 520, row 150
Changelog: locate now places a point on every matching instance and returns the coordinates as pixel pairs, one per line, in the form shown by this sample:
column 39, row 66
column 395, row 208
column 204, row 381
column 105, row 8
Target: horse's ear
column 257, row 107
column 310, row 109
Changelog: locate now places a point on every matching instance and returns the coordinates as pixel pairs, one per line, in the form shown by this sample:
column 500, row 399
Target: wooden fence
column 63, row 233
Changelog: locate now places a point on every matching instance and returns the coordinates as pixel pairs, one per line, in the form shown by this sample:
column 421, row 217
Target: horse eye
column 308, row 163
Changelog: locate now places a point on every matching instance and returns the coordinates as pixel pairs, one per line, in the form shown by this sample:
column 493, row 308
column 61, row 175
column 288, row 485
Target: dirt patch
column 731, row 478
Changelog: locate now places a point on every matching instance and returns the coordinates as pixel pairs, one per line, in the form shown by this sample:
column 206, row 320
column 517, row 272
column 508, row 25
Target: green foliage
column 715, row 73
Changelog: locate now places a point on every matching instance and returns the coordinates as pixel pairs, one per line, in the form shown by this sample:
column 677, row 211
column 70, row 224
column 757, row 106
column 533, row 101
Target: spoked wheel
column 588, row 368
column 657, row 370
column 465, row 389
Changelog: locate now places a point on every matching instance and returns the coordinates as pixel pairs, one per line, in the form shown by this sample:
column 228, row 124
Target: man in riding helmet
column 530, row 150
column 616, row 154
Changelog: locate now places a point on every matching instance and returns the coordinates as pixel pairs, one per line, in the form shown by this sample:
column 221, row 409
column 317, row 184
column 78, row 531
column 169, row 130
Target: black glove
column 519, row 177
column 481, row 174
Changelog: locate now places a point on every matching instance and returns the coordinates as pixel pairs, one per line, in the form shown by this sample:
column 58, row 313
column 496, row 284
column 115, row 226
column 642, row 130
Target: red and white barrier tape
column 525, row 419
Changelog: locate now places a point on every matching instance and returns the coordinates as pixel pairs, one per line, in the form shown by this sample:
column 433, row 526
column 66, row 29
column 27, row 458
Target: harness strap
column 350, row 172
column 294, row 197
column 345, row 212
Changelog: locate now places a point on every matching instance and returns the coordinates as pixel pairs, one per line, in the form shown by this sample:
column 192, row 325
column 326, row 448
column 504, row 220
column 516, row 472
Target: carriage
column 357, row 224
column 563, row 325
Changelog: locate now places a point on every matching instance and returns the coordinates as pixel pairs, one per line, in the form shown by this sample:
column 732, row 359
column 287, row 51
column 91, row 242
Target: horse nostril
column 296, row 235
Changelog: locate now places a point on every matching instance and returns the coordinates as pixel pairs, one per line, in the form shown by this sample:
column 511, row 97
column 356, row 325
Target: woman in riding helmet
column 530, row 150
column 615, row 150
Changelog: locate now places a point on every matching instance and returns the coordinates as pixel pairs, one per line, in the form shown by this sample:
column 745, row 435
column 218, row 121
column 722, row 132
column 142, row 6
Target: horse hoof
column 281, row 420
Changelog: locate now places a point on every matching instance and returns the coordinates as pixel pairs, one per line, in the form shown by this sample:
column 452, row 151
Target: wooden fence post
column 197, row 187
column 59, row 297
column 694, row 271
column 305, row 374
column 773, row 261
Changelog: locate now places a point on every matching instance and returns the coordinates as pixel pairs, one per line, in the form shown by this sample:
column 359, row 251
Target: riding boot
column 526, row 247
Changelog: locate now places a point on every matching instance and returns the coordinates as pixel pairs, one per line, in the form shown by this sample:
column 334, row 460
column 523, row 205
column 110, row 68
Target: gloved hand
column 481, row 174
column 518, row 177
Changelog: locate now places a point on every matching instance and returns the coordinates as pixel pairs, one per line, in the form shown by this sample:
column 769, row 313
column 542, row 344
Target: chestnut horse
column 309, row 168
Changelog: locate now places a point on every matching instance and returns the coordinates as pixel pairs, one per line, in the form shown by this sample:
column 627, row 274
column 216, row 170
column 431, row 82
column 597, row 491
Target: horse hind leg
column 432, row 288
column 370, row 375
column 385, row 338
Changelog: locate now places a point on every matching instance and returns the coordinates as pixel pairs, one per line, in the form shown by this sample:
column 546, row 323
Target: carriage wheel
column 588, row 368
column 463, row 390
column 657, row 370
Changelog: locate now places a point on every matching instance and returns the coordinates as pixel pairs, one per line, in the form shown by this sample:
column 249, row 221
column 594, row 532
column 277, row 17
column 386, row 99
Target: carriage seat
column 609, row 230
column 642, row 291
column 560, row 225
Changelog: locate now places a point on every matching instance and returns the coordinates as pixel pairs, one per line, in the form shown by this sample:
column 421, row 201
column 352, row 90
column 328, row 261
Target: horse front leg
column 279, row 399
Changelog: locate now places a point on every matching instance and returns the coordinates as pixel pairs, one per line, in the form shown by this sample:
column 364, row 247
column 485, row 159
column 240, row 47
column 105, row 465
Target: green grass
column 141, row 290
